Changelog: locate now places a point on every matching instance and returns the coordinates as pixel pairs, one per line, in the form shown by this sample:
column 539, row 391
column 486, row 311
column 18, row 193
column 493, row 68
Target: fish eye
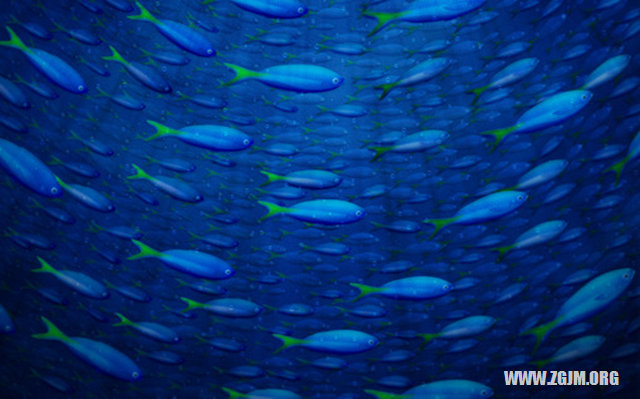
column 520, row 197
column 626, row 275
column 209, row 51
column 484, row 393
column 7, row 328
column 227, row 272
column 81, row 88
column 135, row 374
column 371, row 342
column 245, row 141
column 358, row 213
column 54, row 190
column 446, row 287
column 335, row 80
column 300, row 10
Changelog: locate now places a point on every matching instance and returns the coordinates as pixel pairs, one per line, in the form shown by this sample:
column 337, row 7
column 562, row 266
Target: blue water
column 297, row 269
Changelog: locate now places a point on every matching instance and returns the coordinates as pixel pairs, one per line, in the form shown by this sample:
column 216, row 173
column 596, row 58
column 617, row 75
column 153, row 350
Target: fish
column 285, row 9
column 196, row 263
column 181, row 35
column 551, row 111
column 95, row 353
column 424, row 11
column 321, row 211
column 590, row 299
column 51, row 66
column 27, row 169
column 334, row 341
column 300, row 78
column 492, row 206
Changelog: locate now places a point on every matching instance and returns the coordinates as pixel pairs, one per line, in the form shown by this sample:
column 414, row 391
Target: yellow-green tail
column 617, row 168
column 14, row 41
column 191, row 304
column 273, row 209
column 123, row 321
column 271, row 176
column 439, row 224
column 380, row 151
column 288, row 342
column 241, row 74
column 162, row 130
column 384, row 395
column 478, row 92
column 541, row 363
column 427, row 338
column 386, row 88
column 144, row 15
column 502, row 251
column 499, row 134
column 365, row 290
column 52, row 333
column 140, row 174
column 233, row 394
column 145, row 251
column 45, row 267
column 115, row 56
column 541, row 332
column 383, row 18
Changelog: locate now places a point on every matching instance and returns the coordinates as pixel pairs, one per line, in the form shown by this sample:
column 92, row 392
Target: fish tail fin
column 241, row 74
column 383, row 18
column 502, row 251
column 45, row 267
column 233, row 394
column 14, row 41
column 540, row 363
column 52, row 333
column 617, row 168
column 380, row 151
column 115, row 56
column 383, row 395
column 95, row 227
column 123, row 321
column 271, row 176
column 191, row 304
column 541, row 332
column 287, row 342
column 439, row 224
column 364, row 290
column 145, row 251
column 427, row 338
column 499, row 134
column 140, row 174
column 386, row 88
column 144, row 15
column 273, row 209
column 60, row 182
column 477, row 92
column 161, row 130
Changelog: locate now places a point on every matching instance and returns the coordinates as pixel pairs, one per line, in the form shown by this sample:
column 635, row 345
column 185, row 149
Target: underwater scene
column 320, row 199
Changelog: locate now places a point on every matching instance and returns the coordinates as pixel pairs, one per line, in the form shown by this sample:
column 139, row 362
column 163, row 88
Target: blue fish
column 334, row 341
column 490, row 207
column 196, row 263
column 301, row 78
column 424, row 11
column 181, row 35
column 28, row 170
column 322, row 211
column 97, row 354
column 551, row 111
column 56, row 70
column 284, row 9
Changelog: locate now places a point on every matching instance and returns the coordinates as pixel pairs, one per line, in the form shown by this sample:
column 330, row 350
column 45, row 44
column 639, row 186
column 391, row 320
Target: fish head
column 302, row 10
column 359, row 212
column 519, row 197
column 337, row 80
